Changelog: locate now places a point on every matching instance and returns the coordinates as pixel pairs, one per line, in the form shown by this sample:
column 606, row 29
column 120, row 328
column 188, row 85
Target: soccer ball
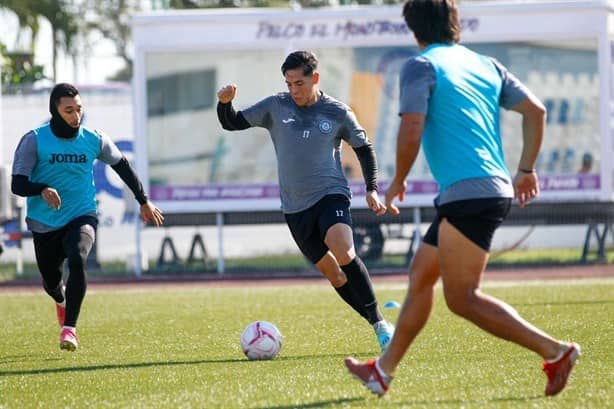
column 261, row 340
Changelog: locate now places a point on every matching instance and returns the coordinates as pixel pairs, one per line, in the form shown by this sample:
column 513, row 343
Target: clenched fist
column 227, row 93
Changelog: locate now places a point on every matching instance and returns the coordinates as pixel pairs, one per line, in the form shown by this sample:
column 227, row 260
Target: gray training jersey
column 308, row 146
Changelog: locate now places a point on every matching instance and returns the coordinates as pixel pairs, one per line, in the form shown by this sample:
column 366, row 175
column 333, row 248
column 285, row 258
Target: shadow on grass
column 318, row 404
column 465, row 402
column 9, row 359
column 569, row 302
column 340, row 356
column 151, row 364
column 117, row 366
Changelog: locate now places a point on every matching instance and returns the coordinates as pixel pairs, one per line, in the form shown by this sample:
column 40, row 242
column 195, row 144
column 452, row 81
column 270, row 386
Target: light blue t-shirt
column 65, row 165
column 460, row 92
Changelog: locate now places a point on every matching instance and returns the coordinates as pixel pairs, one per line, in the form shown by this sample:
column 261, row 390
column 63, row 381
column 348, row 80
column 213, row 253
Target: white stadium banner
column 562, row 50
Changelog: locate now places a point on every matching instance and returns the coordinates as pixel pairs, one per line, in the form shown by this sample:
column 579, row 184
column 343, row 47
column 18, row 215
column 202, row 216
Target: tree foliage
column 17, row 69
column 111, row 19
column 63, row 21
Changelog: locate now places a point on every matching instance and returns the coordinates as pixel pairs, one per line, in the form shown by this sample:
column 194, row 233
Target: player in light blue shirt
column 449, row 104
column 53, row 167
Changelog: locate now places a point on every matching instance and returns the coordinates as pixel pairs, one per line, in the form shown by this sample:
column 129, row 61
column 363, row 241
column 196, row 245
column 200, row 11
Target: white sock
column 381, row 371
column 71, row 328
column 559, row 356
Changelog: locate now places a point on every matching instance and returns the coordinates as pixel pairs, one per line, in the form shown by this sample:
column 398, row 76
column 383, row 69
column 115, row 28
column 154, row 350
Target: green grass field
column 179, row 348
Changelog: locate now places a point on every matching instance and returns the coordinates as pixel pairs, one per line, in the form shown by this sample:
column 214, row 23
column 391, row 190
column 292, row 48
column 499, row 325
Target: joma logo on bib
column 67, row 158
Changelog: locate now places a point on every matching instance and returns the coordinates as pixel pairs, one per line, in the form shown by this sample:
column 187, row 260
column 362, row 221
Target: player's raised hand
column 227, row 93
column 150, row 213
column 396, row 189
column 375, row 204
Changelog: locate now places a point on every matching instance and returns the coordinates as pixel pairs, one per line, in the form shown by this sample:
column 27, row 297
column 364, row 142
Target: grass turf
column 179, row 347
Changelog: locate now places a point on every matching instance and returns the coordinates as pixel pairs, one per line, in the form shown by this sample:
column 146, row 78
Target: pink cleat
column 558, row 372
column 68, row 339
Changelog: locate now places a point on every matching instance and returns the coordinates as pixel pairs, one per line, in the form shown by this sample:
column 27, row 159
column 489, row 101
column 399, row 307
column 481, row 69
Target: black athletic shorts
column 476, row 219
column 50, row 247
column 309, row 227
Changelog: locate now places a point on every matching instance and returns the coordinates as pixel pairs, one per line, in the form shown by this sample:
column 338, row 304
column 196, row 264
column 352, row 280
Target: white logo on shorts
column 287, row 121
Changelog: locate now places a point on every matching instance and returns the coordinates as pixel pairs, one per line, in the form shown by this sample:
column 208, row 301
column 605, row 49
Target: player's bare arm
column 526, row 183
column 408, row 146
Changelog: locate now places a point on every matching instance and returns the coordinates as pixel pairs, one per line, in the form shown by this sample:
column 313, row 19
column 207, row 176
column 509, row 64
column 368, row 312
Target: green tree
column 64, row 27
column 63, row 23
column 26, row 16
column 17, row 69
column 111, row 19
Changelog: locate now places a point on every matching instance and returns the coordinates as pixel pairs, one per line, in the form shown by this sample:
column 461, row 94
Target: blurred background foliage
column 77, row 25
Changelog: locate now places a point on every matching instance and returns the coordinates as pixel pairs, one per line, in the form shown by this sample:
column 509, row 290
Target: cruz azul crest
column 325, row 126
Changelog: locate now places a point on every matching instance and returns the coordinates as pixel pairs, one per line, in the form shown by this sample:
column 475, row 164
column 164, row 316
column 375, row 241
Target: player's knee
column 345, row 257
column 459, row 301
column 76, row 261
column 421, row 280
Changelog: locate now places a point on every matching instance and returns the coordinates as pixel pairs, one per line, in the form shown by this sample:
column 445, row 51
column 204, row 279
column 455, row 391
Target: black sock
column 358, row 278
column 346, row 292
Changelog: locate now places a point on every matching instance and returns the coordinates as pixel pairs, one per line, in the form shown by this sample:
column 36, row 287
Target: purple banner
column 588, row 181
column 214, row 192
column 414, row 187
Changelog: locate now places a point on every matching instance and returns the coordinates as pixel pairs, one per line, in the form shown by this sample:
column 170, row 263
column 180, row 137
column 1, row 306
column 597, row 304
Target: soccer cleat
column 384, row 331
column 60, row 310
column 68, row 339
column 558, row 372
column 369, row 374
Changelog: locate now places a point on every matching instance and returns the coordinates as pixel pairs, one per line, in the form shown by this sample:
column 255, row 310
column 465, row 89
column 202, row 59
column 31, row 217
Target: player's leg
column 329, row 267
column 462, row 265
column 464, row 243
column 334, row 221
column 465, row 235
column 77, row 244
column 423, row 275
column 417, row 307
column 303, row 228
column 49, row 258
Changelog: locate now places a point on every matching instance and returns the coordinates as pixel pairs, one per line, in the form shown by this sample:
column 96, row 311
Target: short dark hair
column 61, row 90
column 433, row 21
column 298, row 59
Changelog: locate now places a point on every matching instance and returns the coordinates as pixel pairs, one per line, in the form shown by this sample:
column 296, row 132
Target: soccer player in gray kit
column 307, row 127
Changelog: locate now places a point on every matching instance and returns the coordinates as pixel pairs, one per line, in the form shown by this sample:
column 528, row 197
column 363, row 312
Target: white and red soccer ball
column 261, row 340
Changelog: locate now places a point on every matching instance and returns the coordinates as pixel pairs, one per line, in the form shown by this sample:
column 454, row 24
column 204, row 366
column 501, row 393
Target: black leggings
column 73, row 243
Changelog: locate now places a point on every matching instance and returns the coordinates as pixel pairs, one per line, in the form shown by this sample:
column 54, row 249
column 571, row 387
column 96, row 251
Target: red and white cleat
column 369, row 374
column 558, row 372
